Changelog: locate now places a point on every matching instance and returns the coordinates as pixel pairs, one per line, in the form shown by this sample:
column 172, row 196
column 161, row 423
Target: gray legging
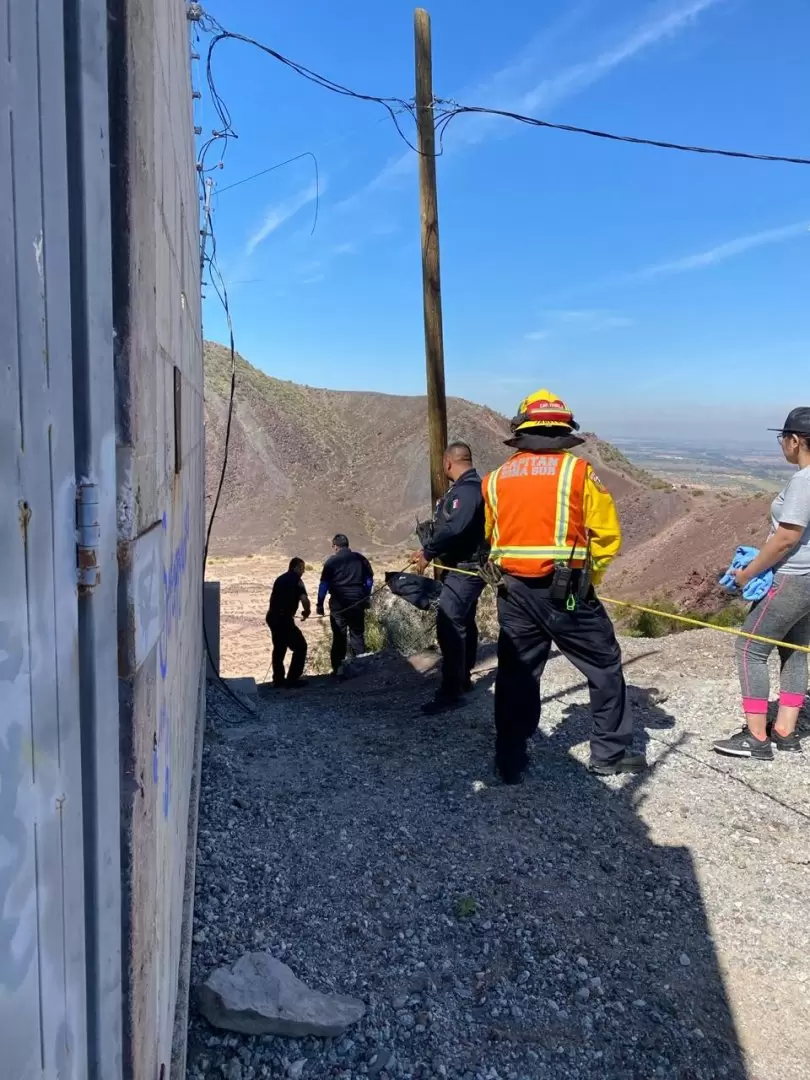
column 784, row 614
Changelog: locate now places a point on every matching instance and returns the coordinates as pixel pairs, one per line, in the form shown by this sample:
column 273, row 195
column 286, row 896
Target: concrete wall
column 160, row 461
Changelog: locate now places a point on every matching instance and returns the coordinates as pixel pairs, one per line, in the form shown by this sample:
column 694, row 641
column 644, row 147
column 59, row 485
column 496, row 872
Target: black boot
column 627, row 763
column 511, row 769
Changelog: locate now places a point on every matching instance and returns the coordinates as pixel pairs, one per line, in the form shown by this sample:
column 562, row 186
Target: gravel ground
column 576, row 927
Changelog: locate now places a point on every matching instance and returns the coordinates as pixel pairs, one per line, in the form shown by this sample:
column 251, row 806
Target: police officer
column 554, row 530
column 457, row 541
column 348, row 579
column 287, row 593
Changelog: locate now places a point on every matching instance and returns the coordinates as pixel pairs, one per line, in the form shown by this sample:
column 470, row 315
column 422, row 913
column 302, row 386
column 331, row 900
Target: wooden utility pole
column 431, row 282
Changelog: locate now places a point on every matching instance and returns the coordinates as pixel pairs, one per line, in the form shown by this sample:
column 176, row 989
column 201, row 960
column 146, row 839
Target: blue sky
column 658, row 292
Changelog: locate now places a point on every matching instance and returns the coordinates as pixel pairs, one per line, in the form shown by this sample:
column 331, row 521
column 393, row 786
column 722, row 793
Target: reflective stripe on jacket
column 541, row 508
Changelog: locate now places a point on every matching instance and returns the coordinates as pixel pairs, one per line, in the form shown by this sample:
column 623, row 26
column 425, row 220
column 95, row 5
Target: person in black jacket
column 457, row 541
column 288, row 592
column 348, row 579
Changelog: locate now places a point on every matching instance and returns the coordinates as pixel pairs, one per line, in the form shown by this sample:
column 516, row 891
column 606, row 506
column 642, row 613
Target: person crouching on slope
column 784, row 614
column 553, row 531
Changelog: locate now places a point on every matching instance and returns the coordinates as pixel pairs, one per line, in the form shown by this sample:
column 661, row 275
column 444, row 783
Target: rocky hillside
column 305, row 463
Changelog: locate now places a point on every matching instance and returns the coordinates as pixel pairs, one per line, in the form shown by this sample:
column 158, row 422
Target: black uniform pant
column 456, row 630
column 529, row 623
column 348, row 631
column 286, row 635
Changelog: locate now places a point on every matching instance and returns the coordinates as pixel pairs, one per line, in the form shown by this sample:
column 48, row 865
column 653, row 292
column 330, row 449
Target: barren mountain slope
column 683, row 561
column 305, row 463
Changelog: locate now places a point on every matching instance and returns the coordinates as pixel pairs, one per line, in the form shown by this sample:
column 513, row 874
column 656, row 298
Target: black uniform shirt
column 458, row 534
column 347, row 577
column 288, row 592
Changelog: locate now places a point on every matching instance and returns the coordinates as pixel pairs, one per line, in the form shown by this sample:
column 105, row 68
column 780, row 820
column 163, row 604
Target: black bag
column 420, row 592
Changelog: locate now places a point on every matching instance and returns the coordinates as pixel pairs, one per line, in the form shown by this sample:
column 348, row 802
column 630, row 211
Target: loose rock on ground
column 259, row 995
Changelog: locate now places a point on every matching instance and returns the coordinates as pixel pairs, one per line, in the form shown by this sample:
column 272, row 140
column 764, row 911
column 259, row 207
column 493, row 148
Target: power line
column 395, row 105
column 281, row 164
column 533, row 121
column 272, row 168
column 320, row 147
column 218, row 283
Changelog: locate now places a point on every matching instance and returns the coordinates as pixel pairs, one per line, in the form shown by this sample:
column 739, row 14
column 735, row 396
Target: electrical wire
column 532, row 121
column 272, row 168
column 281, row 164
column 450, row 109
column 394, row 106
column 218, row 284
column 319, row 148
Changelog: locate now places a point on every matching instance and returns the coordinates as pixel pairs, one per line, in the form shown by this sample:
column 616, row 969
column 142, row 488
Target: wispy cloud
column 276, row 215
column 722, row 252
column 391, row 173
column 506, row 89
column 587, row 320
column 666, row 22
column 700, row 260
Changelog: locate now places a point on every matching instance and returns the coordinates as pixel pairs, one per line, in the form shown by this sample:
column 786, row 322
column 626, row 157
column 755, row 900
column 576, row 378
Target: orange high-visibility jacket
column 542, row 508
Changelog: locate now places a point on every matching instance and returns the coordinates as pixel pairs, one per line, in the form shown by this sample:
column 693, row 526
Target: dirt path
column 624, row 929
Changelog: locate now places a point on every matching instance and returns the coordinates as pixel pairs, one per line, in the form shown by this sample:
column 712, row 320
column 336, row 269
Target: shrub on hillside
column 734, row 614
column 319, row 661
column 644, row 624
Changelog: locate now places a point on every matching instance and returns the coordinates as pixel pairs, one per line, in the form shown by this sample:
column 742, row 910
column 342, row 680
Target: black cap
column 797, row 423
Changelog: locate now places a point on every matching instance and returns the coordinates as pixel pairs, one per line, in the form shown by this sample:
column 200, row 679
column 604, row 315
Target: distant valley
column 737, row 469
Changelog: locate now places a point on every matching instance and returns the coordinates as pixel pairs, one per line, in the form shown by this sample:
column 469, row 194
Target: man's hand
column 319, row 612
column 419, row 561
column 305, row 614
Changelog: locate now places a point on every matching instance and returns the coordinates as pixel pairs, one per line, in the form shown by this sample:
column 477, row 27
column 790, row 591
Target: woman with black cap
column 783, row 615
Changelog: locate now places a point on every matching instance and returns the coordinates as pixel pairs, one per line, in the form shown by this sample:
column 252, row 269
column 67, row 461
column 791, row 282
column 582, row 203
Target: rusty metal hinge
column 88, row 536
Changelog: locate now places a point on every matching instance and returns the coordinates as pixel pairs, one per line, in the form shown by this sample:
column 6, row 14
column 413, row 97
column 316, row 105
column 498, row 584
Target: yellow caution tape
column 707, row 625
column 668, row 615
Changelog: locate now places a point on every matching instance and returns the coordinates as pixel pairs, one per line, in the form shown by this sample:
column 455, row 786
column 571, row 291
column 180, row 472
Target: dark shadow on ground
column 649, row 716
column 536, row 930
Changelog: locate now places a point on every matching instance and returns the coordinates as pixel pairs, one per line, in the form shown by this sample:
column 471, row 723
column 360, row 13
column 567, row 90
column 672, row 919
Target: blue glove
column 758, row 586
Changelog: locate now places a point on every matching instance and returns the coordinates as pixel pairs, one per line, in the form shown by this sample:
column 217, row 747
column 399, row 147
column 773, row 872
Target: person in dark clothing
column 287, row 593
column 348, row 579
column 457, row 542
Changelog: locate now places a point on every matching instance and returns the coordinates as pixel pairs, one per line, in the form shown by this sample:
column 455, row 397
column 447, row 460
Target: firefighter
column 553, row 530
column 457, row 541
column 348, row 579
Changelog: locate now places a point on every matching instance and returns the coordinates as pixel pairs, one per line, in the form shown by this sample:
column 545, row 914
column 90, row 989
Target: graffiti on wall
column 173, row 576
column 174, row 572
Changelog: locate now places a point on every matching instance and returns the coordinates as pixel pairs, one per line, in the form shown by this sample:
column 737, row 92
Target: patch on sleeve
column 597, row 483
column 455, row 505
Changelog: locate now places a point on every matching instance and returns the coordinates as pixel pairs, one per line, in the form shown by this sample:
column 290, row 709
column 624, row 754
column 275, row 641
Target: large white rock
column 261, row 996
